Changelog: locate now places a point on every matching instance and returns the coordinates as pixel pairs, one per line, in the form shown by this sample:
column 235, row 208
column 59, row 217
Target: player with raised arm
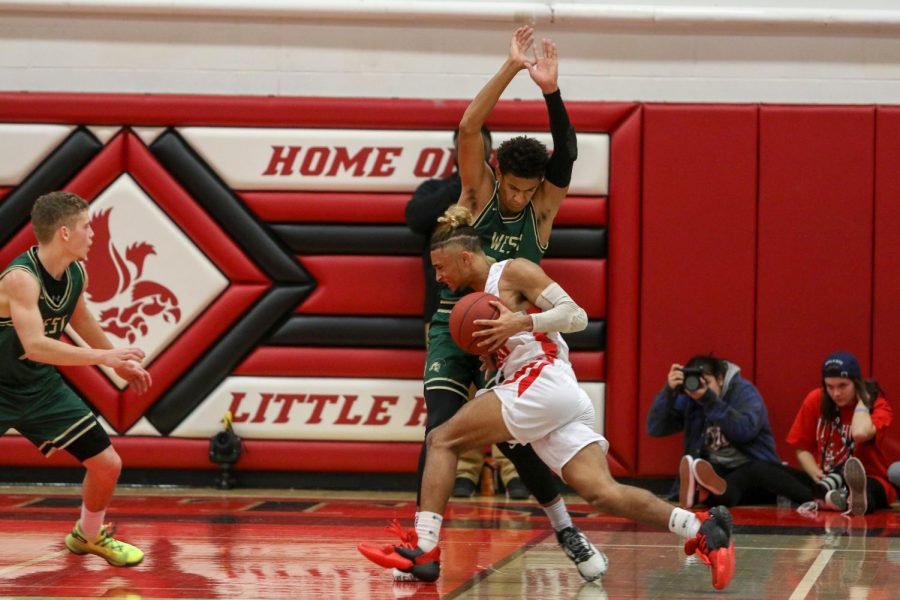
column 514, row 208
column 536, row 401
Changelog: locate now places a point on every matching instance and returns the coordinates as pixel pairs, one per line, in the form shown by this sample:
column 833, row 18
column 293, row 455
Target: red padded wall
column 814, row 290
column 623, row 282
column 886, row 317
column 698, row 250
column 339, row 279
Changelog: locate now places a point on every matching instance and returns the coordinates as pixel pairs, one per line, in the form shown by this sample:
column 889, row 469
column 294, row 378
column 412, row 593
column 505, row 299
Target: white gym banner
column 360, row 160
column 294, row 408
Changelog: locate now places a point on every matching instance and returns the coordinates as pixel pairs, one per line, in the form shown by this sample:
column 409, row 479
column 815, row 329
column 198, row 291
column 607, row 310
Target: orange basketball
column 462, row 319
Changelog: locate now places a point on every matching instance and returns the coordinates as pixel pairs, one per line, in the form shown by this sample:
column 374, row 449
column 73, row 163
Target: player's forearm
column 87, row 327
column 565, row 144
column 54, row 352
column 478, row 110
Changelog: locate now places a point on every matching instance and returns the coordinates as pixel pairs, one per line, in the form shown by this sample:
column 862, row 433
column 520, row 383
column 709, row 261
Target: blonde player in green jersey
column 41, row 292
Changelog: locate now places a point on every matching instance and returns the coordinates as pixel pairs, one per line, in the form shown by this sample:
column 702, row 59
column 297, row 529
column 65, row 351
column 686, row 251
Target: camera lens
column 692, row 383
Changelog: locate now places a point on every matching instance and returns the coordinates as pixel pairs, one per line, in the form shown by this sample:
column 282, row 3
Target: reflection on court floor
column 302, row 544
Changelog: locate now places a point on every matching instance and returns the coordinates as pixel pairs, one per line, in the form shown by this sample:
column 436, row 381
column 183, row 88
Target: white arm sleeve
column 560, row 312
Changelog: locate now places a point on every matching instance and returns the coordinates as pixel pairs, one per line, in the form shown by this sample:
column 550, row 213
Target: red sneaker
column 407, row 557
column 714, row 545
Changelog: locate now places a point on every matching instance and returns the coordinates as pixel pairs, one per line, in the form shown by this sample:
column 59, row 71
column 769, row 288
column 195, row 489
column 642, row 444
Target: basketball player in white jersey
column 537, row 401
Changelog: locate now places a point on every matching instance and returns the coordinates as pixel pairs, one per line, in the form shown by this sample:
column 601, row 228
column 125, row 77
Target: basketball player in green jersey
column 514, row 209
column 41, row 292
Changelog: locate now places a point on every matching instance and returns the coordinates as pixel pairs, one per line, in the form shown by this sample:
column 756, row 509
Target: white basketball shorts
column 543, row 405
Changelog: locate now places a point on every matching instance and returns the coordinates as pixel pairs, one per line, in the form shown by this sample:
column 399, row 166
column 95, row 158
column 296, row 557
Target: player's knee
column 107, row 464
column 601, row 495
column 439, row 439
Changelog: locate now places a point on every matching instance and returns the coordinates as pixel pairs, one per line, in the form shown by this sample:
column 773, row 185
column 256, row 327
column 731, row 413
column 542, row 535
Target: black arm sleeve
column 429, row 202
column 565, row 146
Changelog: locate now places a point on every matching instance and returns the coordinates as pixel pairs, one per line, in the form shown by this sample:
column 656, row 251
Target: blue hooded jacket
column 739, row 411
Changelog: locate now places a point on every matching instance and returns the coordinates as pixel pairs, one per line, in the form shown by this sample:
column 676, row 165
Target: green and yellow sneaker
column 116, row 553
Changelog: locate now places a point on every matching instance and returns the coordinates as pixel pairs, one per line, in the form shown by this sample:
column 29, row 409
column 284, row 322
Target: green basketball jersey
column 501, row 238
column 18, row 375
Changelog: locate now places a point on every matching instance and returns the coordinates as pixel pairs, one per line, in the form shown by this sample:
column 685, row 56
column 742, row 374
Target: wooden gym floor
column 302, row 544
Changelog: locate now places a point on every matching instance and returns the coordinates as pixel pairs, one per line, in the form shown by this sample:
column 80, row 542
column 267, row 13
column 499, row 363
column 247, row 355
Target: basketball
column 462, row 319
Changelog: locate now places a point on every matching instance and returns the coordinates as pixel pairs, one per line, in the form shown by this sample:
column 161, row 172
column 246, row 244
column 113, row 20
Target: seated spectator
column 839, row 432
column 726, row 432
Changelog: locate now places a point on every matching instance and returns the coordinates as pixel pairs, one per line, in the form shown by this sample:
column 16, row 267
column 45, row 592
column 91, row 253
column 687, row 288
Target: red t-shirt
column 828, row 442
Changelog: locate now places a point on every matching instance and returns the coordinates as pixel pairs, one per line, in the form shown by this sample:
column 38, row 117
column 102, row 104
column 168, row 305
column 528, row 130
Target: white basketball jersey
column 525, row 347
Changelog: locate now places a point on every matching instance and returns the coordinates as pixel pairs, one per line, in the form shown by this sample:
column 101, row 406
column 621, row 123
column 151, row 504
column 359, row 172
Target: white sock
column 684, row 523
column 91, row 522
column 428, row 528
column 558, row 515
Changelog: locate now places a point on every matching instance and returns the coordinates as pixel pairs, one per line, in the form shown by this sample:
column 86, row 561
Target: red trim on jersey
column 550, row 348
column 527, row 375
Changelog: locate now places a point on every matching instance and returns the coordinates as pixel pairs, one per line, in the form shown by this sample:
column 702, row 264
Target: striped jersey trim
column 45, row 295
column 527, row 375
column 63, row 440
column 447, row 384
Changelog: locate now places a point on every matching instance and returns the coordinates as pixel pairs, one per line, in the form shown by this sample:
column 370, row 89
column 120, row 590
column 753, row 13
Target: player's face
column 78, row 236
column 841, row 390
column 517, row 192
column 450, row 267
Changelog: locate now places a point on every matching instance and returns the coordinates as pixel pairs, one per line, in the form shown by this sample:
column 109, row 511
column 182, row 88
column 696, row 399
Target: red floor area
column 304, row 547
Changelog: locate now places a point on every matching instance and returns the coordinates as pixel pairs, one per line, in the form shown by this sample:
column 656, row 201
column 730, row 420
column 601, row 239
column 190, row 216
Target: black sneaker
column 590, row 562
column 516, row 490
column 463, row 488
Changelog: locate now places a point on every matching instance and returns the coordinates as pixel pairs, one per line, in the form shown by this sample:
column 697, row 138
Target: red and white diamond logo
column 147, row 281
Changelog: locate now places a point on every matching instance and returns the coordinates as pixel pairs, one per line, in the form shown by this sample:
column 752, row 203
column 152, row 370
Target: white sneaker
column 591, row 563
column 855, row 478
column 835, row 500
column 686, row 484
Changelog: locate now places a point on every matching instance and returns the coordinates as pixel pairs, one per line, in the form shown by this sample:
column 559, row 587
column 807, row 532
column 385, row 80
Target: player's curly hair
column 52, row 211
column 455, row 227
column 522, row 156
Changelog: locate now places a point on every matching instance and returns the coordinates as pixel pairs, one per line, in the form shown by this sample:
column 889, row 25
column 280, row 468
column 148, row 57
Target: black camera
column 225, row 447
column 225, row 450
column 693, row 379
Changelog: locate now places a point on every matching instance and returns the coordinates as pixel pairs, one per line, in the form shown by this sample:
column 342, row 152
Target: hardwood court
column 302, row 544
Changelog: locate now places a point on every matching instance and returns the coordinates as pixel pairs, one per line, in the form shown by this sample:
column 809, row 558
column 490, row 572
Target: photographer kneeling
column 726, row 430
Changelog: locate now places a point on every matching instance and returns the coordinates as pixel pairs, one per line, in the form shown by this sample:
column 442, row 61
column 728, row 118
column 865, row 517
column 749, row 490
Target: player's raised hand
column 544, row 68
column 522, row 40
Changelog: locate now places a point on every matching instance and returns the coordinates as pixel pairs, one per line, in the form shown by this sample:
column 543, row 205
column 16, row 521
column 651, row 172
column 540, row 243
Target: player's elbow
column 578, row 321
column 33, row 351
column 469, row 126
